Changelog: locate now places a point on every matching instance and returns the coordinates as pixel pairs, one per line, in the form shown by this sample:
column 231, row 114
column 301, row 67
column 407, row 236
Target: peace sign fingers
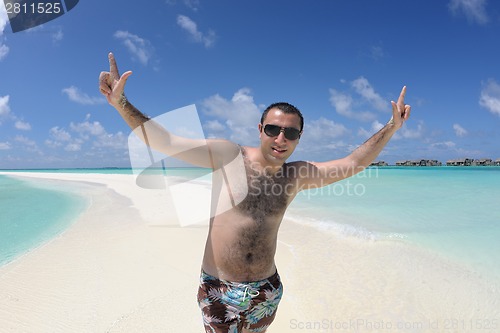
column 113, row 68
column 400, row 110
column 111, row 84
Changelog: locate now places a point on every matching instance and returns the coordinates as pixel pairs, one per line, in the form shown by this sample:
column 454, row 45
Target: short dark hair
column 286, row 108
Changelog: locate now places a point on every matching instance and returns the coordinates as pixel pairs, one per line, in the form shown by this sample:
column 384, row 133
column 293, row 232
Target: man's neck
column 258, row 161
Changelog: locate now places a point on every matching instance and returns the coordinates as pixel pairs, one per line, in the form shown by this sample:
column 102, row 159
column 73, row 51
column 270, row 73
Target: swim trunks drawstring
column 226, row 305
column 252, row 292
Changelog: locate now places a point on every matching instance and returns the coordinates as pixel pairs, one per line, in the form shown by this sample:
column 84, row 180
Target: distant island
column 456, row 162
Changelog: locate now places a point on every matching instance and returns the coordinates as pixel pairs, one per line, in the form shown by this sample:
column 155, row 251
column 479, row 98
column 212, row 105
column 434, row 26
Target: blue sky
column 340, row 62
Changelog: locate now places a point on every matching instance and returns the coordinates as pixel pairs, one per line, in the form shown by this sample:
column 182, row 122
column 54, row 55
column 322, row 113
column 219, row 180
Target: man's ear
column 260, row 130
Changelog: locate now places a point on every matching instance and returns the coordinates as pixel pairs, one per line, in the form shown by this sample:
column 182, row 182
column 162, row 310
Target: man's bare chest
column 267, row 194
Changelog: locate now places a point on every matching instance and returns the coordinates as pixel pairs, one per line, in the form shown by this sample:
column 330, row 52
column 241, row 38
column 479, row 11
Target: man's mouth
column 279, row 150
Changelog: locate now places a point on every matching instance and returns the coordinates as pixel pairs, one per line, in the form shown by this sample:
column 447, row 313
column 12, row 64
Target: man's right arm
column 201, row 152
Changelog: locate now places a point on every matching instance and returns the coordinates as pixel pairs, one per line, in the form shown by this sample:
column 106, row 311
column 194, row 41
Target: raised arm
column 324, row 173
column 204, row 153
column 112, row 86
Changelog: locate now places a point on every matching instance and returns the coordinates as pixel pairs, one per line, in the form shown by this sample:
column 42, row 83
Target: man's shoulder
column 299, row 169
column 297, row 164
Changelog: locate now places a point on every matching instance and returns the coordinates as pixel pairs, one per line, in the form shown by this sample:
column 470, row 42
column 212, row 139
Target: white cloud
column 443, row 145
column 57, row 36
column 4, row 105
column 27, row 144
column 192, row 4
column 94, row 131
column 452, row 150
column 60, row 137
column 214, row 126
column 338, row 145
column 459, row 130
column 3, row 19
column 5, row 112
column 4, row 49
column 87, row 128
column 59, row 134
column 5, row 146
column 320, row 136
column 343, row 104
column 240, row 114
column 376, row 126
column 52, row 143
column 114, row 141
column 490, row 97
column 25, row 140
column 86, row 136
column 140, row 48
column 75, row 146
column 22, row 125
column 377, row 52
column 75, row 95
column 367, row 98
column 363, row 88
column 190, row 26
column 474, row 10
column 323, row 129
column 408, row 133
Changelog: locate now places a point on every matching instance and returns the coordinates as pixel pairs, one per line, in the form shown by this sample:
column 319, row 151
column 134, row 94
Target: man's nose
column 281, row 137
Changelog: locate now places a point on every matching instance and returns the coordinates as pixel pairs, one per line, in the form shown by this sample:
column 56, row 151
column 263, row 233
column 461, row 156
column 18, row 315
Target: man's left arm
column 364, row 155
column 325, row 173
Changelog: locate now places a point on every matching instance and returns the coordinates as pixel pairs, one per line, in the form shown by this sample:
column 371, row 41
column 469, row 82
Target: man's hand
column 111, row 84
column 400, row 110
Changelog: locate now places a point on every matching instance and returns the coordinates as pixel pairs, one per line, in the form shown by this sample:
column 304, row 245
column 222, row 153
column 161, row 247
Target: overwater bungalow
column 379, row 163
column 460, row 162
column 422, row 162
column 483, row 162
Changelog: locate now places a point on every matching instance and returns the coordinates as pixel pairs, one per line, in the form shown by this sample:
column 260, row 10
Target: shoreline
column 382, row 281
column 118, row 269
column 108, row 272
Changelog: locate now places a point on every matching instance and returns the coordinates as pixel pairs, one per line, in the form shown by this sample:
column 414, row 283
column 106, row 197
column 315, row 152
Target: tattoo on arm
column 132, row 115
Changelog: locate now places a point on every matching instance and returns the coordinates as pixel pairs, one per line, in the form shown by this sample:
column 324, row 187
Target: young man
column 252, row 186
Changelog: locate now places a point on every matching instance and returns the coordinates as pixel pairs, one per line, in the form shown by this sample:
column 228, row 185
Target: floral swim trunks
column 227, row 306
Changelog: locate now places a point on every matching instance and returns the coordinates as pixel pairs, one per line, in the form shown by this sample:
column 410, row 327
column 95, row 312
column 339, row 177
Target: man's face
column 276, row 149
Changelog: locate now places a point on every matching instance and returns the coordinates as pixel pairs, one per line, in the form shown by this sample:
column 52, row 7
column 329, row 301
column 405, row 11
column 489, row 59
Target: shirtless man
column 239, row 285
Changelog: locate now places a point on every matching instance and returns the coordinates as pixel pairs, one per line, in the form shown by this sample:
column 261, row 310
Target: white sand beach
column 120, row 268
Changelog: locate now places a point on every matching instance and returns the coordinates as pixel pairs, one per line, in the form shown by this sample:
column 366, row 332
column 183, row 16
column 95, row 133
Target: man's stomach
column 241, row 252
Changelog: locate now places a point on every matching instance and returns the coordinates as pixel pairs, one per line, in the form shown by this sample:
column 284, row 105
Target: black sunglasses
column 274, row 130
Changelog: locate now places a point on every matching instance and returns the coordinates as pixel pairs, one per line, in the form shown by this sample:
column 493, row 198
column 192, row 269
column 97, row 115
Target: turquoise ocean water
column 31, row 215
column 453, row 211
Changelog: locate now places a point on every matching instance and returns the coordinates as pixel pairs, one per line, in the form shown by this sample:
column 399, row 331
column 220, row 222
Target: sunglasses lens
column 272, row 130
column 290, row 133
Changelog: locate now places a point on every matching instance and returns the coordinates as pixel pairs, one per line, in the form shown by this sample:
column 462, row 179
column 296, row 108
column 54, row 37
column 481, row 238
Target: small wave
column 344, row 230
